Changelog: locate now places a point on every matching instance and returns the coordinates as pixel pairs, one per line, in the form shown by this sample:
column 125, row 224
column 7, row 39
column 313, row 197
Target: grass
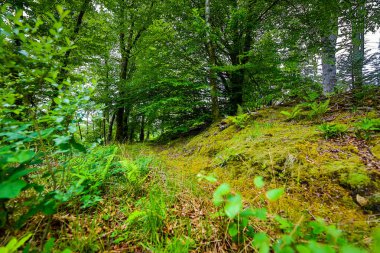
column 151, row 200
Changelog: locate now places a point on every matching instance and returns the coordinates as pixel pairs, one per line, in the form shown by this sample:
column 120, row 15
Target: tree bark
column 358, row 30
column 142, row 129
column 104, row 131
column 110, row 129
column 119, row 125
column 329, row 58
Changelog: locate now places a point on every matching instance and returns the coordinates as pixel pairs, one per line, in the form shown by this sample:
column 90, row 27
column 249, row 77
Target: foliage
column 309, row 236
column 366, row 127
column 34, row 135
column 333, row 130
column 87, row 176
column 13, row 245
column 294, row 113
column 240, row 120
column 318, row 109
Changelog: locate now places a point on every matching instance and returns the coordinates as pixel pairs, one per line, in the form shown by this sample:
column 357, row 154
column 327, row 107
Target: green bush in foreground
column 303, row 237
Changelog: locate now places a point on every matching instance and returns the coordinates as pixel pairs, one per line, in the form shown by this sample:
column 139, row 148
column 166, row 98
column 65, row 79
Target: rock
column 361, row 200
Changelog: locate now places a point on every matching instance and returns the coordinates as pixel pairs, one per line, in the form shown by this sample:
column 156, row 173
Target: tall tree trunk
column 358, row 30
column 104, row 131
column 123, row 76
column 212, row 63
column 110, row 129
column 127, row 111
column 119, row 125
column 142, row 128
column 329, row 58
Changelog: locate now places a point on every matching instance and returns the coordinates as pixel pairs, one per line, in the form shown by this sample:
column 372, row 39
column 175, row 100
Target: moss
column 355, row 180
column 376, row 149
column 320, row 176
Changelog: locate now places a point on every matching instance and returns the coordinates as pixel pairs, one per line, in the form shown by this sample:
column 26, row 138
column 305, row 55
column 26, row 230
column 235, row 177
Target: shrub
column 318, row 109
column 294, row 113
column 35, row 136
column 240, row 120
column 303, row 236
column 333, row 130
column 366, row 127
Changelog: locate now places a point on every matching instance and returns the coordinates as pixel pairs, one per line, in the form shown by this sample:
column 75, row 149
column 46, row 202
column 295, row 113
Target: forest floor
column 167, row 209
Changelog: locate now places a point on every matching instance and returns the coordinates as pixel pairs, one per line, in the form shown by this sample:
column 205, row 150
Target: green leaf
column 62, row 140
column 333, row 231
column 259, row 182
column 351, row 249
column 11, row 189
column 49, row 245
column 233, row 206
column 219, row 193
column 135, row 215
column 21, row 157
column 261, row 213
column 261, row 241
column 72, row 128
column 78, row 146
column 274, row 194
column 376, row 240
column 14, row 244
column 233, row 229
column 302, row 249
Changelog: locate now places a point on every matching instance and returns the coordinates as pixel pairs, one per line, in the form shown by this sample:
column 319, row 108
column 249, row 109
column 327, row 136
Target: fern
column 318, row 109
column 294, row 113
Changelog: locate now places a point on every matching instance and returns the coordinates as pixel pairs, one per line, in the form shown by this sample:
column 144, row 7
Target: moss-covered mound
column 337, row 179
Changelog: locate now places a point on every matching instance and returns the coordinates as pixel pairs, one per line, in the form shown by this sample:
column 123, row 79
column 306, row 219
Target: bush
column 318, row 109
column 303, row 236
column 294, row 113
column 366, row 127
column 37, row 116
column 333, row 130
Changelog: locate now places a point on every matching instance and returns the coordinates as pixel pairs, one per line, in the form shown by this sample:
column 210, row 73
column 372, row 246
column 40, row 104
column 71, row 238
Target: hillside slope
column 337, row 179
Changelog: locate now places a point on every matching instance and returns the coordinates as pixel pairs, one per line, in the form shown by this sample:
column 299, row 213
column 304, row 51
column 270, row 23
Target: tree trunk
column 142, row 129
column 119, row 125
column 329, row 60
column 109, row 138
column 212, row 63
column 104, row 131
column 126, row 123
column 358, row 30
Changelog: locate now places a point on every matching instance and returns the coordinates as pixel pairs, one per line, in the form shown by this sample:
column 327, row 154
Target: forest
column 190, row 126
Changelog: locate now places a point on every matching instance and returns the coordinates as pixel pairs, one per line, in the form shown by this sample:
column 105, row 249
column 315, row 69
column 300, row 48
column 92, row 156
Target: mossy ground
column 170, row 211
column 323, row 177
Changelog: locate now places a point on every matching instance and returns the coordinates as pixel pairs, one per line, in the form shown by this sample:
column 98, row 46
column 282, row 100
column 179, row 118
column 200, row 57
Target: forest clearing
column 190, row 126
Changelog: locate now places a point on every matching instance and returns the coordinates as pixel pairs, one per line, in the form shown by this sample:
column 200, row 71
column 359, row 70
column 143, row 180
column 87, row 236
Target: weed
column 14, row 244
column 333, row 130
column 294, row 113
column 240, row 120
column 311, row 96
column 318, row 109
column 305, row 236
column 366, row 127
